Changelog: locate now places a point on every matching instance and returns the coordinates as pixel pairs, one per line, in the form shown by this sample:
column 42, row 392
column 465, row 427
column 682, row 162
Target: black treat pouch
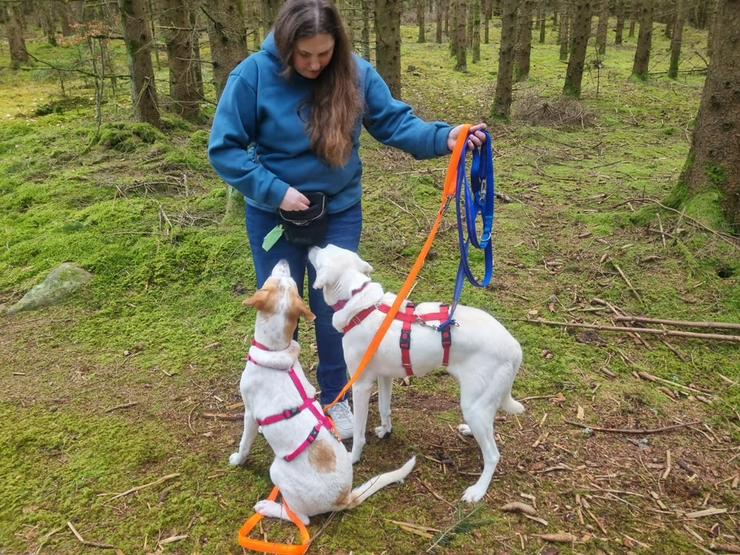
column 306, row 227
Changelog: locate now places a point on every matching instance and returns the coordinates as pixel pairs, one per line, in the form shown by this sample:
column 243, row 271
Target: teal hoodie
column 259, row 108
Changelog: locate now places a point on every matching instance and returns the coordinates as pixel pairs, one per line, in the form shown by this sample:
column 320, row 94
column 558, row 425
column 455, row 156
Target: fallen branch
column 632, row 430
column 83, row 541
column 137, row 488
column 688, row 334
column 225, row 415
column 651, row 378
column 680, row 323
column 627, row 281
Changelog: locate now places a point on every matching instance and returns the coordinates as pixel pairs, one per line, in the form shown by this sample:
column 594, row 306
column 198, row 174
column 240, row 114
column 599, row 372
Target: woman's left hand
column 475, row 139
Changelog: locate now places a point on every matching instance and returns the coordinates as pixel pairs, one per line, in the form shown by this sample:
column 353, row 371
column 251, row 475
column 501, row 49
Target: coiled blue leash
column 474, row 198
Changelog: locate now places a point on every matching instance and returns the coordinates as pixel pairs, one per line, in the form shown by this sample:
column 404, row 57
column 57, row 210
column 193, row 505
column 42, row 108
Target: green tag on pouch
column 272, row 237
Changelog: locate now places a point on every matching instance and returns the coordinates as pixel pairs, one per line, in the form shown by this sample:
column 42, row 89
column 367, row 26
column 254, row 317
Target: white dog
column 483, row 356
column 312, row 467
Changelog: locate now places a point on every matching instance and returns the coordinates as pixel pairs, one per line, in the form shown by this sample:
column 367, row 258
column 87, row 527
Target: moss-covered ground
column 113, row 389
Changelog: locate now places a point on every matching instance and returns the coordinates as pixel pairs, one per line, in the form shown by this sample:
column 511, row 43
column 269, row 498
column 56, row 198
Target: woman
column 299, row 103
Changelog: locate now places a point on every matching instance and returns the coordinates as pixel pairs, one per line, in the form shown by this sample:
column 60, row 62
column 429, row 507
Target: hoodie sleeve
column 234, row 129
column 394, row 123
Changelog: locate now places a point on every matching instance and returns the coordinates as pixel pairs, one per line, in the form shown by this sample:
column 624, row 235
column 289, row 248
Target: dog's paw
column 356, row 455
column 465, row 430
column 473, row 494
column 383, row 431
column 237, row 459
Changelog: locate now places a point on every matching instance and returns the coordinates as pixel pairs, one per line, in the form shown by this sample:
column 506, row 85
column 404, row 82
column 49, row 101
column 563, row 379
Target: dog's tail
column 373, row 485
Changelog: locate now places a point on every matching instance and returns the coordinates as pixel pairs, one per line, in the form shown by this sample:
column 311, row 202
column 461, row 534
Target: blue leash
column 476, row 198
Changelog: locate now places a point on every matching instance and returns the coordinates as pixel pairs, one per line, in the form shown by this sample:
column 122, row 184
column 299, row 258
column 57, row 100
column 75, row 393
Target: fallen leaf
column 560, row 537
column 579, row 415
column 519, row 507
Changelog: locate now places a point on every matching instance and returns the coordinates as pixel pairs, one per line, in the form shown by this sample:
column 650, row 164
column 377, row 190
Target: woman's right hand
column 294, row 200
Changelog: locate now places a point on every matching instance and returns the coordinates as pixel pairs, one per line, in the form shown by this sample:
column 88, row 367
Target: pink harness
column 309, row 403
column 408, row 316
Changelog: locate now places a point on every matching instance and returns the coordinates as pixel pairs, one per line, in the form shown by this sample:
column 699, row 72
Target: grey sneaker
column 344, row 422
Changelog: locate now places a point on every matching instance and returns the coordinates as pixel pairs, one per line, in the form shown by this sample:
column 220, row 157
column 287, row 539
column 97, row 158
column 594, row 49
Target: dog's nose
column 281, row 269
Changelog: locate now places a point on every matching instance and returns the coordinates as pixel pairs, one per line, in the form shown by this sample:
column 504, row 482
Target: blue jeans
column 344, row 231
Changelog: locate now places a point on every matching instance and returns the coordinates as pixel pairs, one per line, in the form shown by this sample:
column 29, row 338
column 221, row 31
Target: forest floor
column 121, row 406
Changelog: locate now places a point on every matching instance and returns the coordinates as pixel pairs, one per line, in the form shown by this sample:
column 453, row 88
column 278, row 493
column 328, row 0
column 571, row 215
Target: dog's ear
column 302, row 309
column 257, row 300
column 322, row 278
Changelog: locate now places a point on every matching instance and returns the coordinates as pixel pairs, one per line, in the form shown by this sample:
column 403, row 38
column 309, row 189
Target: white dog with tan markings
column 312, row 467
column 478, row 352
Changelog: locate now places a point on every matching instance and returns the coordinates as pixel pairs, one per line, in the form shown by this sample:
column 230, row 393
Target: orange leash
column 271, row 547
column 448, row 192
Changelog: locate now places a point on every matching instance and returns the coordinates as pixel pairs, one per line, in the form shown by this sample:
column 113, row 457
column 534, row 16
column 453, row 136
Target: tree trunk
column 388, row 43
column 565, row 30
column 47, row 19
column 270, row 9
column 366, row 16
column 138, row 44
column 62, row 9
column 197, row 65
column 175, row 18
column 523, row 41
column 711, row 17
column 670, row 18
column 677, row 38
column 620, row 22
column 459, row 39
column 541, row 22
column 421, row 21
column 487, row 15
column 578, row 45
column 439, row 21
column 475, row 26
column 633, row 17
column 713, row 163
column 644, row 41
column 14, row 29
column 254, row 22
column 501, row 109
column 227, row 34
column 603, row 27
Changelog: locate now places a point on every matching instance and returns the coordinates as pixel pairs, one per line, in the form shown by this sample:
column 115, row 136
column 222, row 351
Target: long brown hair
column 336, row 102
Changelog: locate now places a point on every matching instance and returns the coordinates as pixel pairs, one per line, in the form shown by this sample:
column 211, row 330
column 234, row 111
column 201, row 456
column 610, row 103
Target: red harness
column 408, row 317
column 309, row 403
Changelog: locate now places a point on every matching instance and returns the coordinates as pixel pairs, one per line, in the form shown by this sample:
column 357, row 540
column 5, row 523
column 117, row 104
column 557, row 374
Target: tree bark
column 177, row 32
column 270, row 9
column 388, row 43
column 677, row 38
column 501, row 109
column 565, row 30
column 603, row 26
column 62, row 10
column 138, row 45
column 713, row 163
column 440, row 4
column 14, row 29
column 421, row 21
column 523, row 41
column 475, row 29
column 618, row 32
column 458, row 39
column 578, row 45
column 227, row 34
column 541, row 22
column 366, row 16
column 644, row 41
